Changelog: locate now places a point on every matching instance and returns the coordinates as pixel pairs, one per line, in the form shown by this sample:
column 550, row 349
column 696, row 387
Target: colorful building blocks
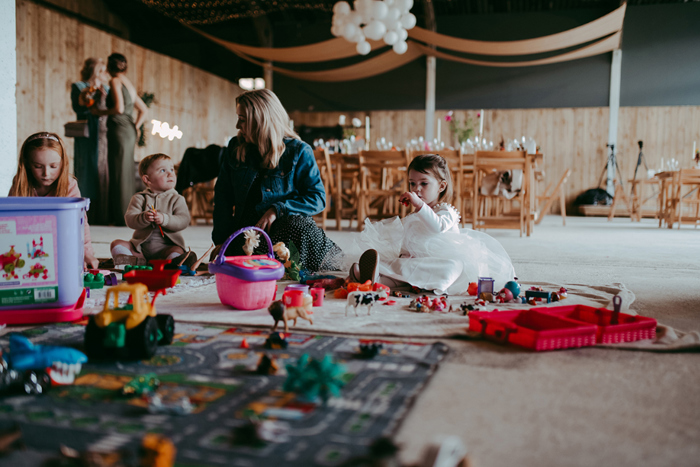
column 141, row 385
column 94, row 281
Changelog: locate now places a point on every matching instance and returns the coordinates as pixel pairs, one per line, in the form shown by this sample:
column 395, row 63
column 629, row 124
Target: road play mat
column 212, row 367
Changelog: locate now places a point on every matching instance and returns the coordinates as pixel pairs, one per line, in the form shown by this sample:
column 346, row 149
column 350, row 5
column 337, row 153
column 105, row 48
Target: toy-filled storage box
column 532, row 329
column 612, row 327
column 41, row 252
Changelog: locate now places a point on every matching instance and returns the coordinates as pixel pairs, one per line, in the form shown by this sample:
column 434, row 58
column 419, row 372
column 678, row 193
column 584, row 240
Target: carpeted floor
column 580, row 407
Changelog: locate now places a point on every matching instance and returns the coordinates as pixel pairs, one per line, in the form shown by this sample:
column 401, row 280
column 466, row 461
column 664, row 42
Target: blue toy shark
column 60, row 363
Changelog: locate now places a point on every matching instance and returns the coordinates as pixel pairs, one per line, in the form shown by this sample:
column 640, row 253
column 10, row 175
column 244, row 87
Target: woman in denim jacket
column 269, row 179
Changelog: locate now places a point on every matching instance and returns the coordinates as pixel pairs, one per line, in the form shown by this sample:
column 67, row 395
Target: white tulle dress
column 428, row 250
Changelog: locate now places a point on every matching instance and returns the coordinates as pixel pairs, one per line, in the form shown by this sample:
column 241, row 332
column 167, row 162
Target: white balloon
column 403, row 35
column 350, row 31
column 362, row 6
column 389, row 2
column 408, row 20
column 404, row 5
column 379, row 10
column 363, row 48
column 340, row 19
column 393, row 13
column 354, row 18
column 359, row 37
column 341, row 7
column 336, row 30
column 374, row 30
column 400, row 47
column 390, row 38
column 392, row 24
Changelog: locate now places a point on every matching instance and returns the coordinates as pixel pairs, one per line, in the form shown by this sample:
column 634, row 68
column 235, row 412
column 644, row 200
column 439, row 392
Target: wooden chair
column 685, row 192
column 548, row 198
column 383, row 179
column 489, row 211
column 346, row 168
column 323, row 161
column 462, row 170
column 200, row 200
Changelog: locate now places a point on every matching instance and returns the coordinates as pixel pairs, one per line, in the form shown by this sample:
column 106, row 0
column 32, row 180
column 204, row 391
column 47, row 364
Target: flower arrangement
column 461, row 131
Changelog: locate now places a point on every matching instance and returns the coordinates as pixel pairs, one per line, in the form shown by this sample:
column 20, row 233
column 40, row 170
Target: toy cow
column 356, row 299
column 280, row 312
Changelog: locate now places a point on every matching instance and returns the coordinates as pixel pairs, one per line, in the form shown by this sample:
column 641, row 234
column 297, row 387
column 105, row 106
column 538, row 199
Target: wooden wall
column 569, row 138
column 51, row 49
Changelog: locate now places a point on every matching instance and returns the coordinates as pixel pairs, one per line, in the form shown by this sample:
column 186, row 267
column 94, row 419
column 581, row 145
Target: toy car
column 182, row 406
column 36, row 368
column 133, row 330
column 143, row 384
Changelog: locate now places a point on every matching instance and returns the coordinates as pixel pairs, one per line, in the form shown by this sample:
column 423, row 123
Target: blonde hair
column 88, row 70
column 267, row 125
column 24, row 183
column 435, row 166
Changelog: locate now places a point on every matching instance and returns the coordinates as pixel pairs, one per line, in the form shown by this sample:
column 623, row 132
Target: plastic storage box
column 41, row 253
column 246, row 282
column 610, row 329
column 533, row 329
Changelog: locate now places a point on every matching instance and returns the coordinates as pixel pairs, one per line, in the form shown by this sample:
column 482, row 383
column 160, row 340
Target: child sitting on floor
column 42, row 170
column 157, row 215
column 426, row 249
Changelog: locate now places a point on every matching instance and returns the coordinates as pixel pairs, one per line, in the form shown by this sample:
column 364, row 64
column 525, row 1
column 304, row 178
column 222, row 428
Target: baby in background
column 158, row 215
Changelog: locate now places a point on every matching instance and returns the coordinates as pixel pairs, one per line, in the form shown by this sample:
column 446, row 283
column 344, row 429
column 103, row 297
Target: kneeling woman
column 269, row 179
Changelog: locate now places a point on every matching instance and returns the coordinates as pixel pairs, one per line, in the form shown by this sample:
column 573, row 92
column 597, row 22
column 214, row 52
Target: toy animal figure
column 281, row 251
column 252, row 241
column 368, row 299
column 280, row 312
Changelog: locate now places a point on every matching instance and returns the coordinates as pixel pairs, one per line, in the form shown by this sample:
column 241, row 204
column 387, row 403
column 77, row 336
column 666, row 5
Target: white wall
column 8, row 102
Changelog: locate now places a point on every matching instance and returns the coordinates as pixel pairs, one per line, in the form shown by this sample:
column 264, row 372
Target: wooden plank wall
column 51, row 49
column 570, row 137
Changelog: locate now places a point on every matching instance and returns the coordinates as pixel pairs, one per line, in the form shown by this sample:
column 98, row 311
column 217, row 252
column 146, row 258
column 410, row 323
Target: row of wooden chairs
column 368, row 185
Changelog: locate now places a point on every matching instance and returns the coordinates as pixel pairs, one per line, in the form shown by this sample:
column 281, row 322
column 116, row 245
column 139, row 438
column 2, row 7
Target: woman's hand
column 411, row 198
column 91, row 262
column 267, row 219
column 95, row 111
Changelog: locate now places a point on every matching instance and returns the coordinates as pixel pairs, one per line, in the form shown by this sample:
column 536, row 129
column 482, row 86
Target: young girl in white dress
column 427, row 249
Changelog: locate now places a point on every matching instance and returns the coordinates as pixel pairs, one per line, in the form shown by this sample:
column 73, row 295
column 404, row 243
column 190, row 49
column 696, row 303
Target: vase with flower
column 461, row 130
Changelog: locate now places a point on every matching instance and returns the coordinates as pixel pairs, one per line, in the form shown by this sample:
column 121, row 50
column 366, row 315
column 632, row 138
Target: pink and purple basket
column 246, row 282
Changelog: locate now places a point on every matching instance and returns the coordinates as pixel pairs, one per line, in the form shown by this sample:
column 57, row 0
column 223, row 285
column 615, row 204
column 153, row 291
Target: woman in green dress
column 90, row 153
column 121, row 136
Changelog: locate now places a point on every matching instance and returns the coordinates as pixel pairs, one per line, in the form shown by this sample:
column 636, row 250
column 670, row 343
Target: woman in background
column 121, row 136
column 90, row 154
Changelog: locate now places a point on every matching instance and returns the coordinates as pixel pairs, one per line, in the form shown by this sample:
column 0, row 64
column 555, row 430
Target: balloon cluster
column 375, row 20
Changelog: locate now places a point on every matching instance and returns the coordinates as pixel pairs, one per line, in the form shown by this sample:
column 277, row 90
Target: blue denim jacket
column 293, row 187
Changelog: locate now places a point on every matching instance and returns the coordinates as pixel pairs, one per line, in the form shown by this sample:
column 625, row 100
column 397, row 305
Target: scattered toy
column 318, row 294
column 134, row 330
column 390, row 302
column 368, row 299
column 281, row 312
column 538, row 295
column 35, row 368
column 473, row 288
column 267, row 365
column 276, row 341
column 313, row 378
column 157, row 451
column 182, row 406
column 369, row 351
column 257, row 433
column 327, row 284
column 244, row 343
column 93, row 281
column 514, row 288
column 485, row 285
column 141, row 385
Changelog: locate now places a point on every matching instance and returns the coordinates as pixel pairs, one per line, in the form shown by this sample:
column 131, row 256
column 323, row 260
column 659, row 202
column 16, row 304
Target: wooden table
column 666, row 179
column 636, row 197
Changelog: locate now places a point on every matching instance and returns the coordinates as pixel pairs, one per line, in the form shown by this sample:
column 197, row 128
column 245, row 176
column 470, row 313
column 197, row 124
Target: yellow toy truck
column 130, row 330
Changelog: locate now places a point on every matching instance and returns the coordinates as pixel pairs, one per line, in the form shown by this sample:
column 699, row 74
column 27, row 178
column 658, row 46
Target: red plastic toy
column 158, row 279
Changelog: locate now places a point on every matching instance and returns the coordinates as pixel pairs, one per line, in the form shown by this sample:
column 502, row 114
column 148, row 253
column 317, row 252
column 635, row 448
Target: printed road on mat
column 208, row 365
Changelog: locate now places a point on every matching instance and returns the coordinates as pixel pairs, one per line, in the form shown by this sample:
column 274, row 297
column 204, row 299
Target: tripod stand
column 611, row 165
column 640, row 159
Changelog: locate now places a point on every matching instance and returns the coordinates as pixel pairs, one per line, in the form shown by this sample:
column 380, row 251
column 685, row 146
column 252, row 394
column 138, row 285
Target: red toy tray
column 628, row 328
column 158, row 279
column 533, row 329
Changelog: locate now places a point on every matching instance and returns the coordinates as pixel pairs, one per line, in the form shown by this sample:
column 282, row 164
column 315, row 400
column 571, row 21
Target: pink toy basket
column 246, row 282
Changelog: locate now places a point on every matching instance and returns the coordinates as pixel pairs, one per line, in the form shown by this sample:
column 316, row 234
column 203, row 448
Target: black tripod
column 640, row 159
column 612, row 161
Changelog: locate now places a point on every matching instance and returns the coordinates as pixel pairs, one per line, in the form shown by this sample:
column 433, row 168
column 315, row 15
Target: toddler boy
column 158, row 215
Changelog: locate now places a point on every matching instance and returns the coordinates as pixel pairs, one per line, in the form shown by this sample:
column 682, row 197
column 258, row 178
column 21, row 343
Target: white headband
column 42, row 136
